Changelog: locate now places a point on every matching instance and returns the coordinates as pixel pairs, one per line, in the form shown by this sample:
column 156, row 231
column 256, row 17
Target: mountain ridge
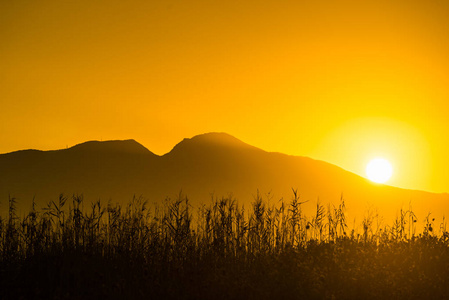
column 124, row 146
column 214, row 139
column 209, row 163
column 210, row 140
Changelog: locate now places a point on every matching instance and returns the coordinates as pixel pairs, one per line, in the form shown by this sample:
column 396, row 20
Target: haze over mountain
column 212, row 163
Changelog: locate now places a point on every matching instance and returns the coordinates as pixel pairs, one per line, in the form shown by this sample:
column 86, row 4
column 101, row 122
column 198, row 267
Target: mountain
column 205, row 165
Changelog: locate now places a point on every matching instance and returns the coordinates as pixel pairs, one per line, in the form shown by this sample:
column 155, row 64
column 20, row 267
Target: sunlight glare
column 379, row 170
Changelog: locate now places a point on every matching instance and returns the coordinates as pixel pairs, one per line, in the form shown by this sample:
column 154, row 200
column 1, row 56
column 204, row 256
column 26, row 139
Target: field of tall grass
column 220, row 250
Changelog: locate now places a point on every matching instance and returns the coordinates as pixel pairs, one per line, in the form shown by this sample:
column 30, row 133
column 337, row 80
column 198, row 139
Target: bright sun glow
column 379, row 170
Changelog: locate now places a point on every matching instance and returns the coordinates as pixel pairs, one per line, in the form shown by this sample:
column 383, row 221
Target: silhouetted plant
column 222, row 251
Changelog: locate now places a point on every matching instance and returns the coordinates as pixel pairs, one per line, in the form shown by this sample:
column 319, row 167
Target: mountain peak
column 210, row 140
column 121, row 146
column 217, row 138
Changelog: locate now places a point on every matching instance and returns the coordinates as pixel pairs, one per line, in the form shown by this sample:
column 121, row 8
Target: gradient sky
column 340, row 81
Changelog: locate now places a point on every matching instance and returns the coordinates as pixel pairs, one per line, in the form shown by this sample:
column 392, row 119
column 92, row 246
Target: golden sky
column 340, row 81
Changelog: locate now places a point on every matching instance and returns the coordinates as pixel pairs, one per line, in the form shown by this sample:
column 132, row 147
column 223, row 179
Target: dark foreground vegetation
column 218, row 251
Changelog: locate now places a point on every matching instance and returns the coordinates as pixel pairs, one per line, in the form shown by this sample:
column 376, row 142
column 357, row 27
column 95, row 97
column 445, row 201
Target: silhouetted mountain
column 209, row 142
column 124, row 147
column 213, row 163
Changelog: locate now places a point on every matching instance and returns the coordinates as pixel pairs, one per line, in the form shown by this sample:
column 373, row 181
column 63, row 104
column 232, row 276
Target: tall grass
column 218, row 250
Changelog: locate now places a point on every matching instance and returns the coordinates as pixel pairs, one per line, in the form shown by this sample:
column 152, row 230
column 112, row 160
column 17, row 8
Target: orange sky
column 340, row 81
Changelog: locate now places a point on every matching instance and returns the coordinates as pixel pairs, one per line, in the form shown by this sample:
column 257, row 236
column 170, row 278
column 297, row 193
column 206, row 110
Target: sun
column 379, row 170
